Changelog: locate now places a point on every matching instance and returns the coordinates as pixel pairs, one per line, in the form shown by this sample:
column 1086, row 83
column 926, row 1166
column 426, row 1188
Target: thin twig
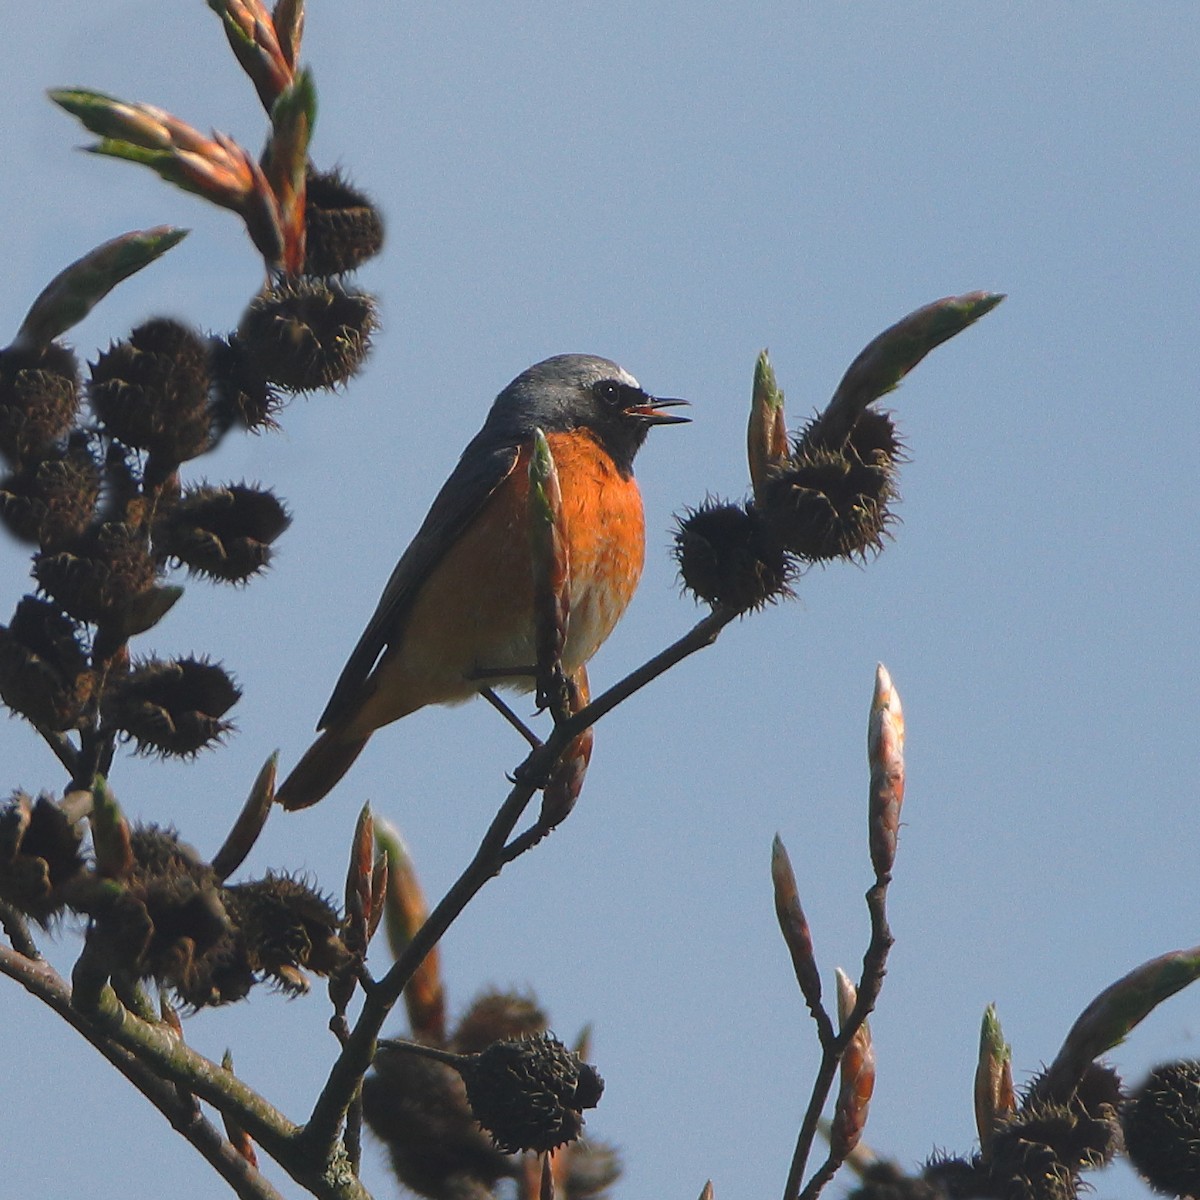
column 61, row 745
column 489, row 694
column 321, row 1131
column 874, row 969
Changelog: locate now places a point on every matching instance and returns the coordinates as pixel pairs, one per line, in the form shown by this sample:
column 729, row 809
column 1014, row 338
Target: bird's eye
column 615, row 394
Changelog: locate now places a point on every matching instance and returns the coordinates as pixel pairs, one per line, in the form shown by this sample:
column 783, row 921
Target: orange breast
column 475, row 611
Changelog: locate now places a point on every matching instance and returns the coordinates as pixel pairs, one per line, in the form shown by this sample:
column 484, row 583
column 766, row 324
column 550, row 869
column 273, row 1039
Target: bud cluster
column 1037, row 1151
column 93, row 471
column 824, row 494
column 157, row 911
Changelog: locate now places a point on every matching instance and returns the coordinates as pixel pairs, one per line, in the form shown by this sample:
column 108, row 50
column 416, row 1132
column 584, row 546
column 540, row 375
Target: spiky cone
column 242, row 394
column 793, row 924
column 343, row 227
column 884, row 362
column 52, row 500
column 308, row 334
column 831, row 500
column 268, row 61
column 565, row 784
column 418, row 1109
column 39, row 400
column 1110, row 1017
column 285, row 163
column 108, row 579
column 1040, row 1149
column 994, row 1096
column 151, row 392
column 40, row 855
column 766, row 435
column 222, row 533
column 529, row 1093
column 44, row 670
column 584, row 1168
column 1162, row 1128
column 856, row 1077
column 729, row 557
column 551, row 575
column 79, row 287
column 174, row 707
column 179, row 897
column 250, row 821
column 885, row 754
column 497, row 1016
column 287, row 927
column 706, row 1192
column 215, row 168
column 404, row 912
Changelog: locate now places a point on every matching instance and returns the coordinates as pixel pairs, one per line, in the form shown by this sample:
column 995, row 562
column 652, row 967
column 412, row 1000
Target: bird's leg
column 511, row 717
column 553, row 692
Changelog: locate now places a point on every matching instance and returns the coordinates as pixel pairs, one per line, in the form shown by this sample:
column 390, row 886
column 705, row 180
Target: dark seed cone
column 173, row 708
column 165, row 916
column 52, row 500
column 44, row 672
column 106, row 577
column 1162, row 1128
column 729, row 556
column 286, row 927
column 308, row 334
column 418, row 1109
column 884, row 1180
column 39, row 856
column 1099, row 1092
column 831, row 502
column 242, row 395
column 224, row 533
column 343, row 228
column 592, row 1169
column 495, row 1016
column 950, row 1179
column 530, row 1093
column 151, row 391
column 1040, row 1150
column 39, row 400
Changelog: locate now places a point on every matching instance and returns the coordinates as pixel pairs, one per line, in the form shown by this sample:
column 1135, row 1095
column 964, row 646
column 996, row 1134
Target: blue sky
column 676, row 186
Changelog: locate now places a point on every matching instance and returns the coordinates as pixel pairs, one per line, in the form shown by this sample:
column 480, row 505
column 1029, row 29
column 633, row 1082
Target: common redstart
column 458, row 610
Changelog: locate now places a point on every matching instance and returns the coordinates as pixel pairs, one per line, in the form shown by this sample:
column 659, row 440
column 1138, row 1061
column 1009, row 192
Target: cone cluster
column 157, row 911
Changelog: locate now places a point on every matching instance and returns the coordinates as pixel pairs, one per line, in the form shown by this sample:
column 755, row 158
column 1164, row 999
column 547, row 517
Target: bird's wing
column 478, row 474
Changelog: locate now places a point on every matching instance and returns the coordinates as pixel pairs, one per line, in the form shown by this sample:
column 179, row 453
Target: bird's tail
column 319, row 770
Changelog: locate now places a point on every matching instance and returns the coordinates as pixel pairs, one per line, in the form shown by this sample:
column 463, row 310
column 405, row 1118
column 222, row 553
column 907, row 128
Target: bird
column 458, row 610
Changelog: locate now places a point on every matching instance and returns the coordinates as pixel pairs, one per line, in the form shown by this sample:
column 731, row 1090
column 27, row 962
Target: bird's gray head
column 577, row 391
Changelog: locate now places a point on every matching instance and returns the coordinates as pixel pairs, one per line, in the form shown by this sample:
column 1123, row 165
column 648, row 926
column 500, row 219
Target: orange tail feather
column 318, row 771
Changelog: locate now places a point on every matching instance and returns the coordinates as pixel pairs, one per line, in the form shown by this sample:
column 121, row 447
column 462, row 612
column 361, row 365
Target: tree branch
column 321, row 1131
column 41, row 980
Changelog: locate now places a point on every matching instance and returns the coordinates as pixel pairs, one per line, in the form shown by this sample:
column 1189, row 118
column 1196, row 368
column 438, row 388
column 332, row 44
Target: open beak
column 651, row 412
